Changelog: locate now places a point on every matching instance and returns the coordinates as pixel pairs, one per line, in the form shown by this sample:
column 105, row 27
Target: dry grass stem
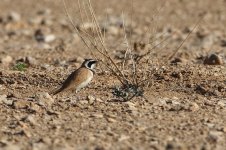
column 188, row 35
column 132, row 81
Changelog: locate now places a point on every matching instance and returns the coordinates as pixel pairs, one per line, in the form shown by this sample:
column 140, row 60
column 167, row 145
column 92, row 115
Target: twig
column 178, row 48
column 150, row 50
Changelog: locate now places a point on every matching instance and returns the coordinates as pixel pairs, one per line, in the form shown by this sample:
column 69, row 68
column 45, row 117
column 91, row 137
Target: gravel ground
column 184, row 101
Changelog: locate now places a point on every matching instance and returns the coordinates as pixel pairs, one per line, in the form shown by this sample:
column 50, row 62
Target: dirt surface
column 184, row 102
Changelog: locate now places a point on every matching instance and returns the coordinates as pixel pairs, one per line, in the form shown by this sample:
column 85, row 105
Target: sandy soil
column 184, row 102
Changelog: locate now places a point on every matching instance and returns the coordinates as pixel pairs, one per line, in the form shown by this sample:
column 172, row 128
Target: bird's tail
column 55, row 91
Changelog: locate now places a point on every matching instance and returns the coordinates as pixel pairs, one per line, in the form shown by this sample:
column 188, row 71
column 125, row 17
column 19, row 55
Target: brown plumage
column 79, row 78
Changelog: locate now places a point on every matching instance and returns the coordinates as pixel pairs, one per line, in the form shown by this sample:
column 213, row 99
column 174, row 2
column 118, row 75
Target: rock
column 11, row 146
column 171, row 104
column 47, row 67
column 210, row 125
column 49, row 38
column 222, row 103
column 31, row 120
column 52, row 112
column 35, row 20
column 224, row 129
column 99, row 100
column 97, row 115
column 175, row 106
column 131, row 106
column 31, row 61
column 28, row 60
column 83, row 102
column 213, row 59
column 41, row 37
column 215, row 136
column 35, row 108
column 44, row 99
column 123, row 138
column 193, row 107
column 87, row 26
column 14, row 16
column 91, row 99
column 4, row 100
column 6, row 60
column 21, row 104
column 111, row 120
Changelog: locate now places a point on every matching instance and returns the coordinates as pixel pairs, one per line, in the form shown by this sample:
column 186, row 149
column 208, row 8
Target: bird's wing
column 73, row 80
column 66, row 83
column 80, row 75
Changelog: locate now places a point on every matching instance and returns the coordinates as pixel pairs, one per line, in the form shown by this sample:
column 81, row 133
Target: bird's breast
column 85, row 76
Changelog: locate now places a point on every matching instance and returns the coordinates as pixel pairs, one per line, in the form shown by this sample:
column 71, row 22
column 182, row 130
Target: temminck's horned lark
column 79, row 78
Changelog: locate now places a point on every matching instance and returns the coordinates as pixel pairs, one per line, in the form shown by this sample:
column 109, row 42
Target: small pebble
column 99, row 100
column 31, row 120
column 49, row 38
column 21, row 104
column 44, row 99
column 123, row 138
column 215, row 136
column 28, row 60
column 221, row 103
column 87, row 26
column 31, row 61
column 194, row 107
column 224, row 129
column 97, row 115
column 91, row 99
column 6, row 60
column 14, row 16
column 83, row 102
column 111, row 120
column 4, row 100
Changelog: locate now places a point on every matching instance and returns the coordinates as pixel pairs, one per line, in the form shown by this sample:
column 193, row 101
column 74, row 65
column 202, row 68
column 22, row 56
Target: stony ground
column 184, row 102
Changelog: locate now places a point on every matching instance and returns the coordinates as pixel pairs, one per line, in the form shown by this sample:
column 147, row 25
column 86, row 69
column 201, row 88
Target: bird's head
column 90, row 64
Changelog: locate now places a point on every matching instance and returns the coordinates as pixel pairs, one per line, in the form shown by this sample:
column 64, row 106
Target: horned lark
column 79, row 78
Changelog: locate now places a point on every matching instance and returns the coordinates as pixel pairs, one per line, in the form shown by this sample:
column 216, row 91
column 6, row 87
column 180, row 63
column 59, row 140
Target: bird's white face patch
column 90, row 64
column 93, row 66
